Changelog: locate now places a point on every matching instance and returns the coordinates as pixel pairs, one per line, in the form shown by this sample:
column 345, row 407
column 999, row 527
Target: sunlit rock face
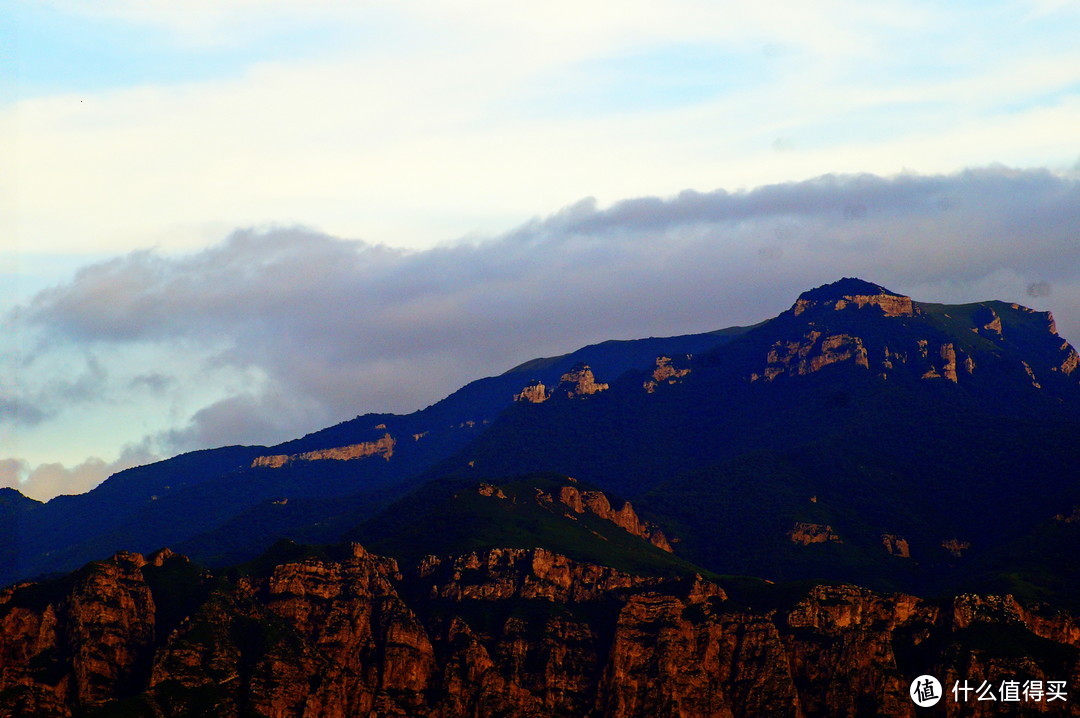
column 854, row 294
column 805, row 533
column 499, row 632
column 598, row 504
column 896, row 545
column 665, row 372
column 579, row 381
column 533, row 393
column 383, row 447
column 812, row 353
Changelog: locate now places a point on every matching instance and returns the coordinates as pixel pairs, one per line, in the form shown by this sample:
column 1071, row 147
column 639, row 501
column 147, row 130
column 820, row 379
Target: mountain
column 559, row 513
column 793, row 519
column 13, row 510
column 859, row 436
column 229, row 504
column 519, row 633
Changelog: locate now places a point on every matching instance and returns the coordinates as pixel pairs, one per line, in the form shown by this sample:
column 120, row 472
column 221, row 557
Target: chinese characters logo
column 925, row 691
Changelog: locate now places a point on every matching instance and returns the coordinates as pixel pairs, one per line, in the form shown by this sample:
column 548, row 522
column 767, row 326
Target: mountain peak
column 846, row 287
column 13, row 497
column 856, row 293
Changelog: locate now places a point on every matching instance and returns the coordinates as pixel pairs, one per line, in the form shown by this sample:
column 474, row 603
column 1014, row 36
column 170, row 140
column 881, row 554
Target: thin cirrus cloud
column 294, row 329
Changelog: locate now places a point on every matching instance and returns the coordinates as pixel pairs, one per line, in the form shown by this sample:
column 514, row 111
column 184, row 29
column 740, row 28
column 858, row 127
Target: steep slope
column 854, row 428
column 226, row 504
column 826, row 443
column 859, row 437
column 557, row 513
column 508, row 632
column 14, row 508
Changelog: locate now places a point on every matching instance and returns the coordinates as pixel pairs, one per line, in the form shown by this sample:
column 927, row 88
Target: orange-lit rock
column 807, row 533
column 383, row 447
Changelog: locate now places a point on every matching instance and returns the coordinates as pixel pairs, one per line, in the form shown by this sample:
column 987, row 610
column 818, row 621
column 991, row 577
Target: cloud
column 16, row 409
column 29, row 405
column 45, row 481
column 241, row 419
column 419, row 121
column 327, row 328
column 154, row 381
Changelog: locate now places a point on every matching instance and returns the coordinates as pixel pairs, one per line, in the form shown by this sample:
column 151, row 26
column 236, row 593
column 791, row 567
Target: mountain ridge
column 794, row 519
column 342, row 631
column 665, row 413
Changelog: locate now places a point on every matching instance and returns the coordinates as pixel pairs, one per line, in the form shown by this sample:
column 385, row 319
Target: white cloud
column 419, row 122
column 449, row 118
column 280, row 332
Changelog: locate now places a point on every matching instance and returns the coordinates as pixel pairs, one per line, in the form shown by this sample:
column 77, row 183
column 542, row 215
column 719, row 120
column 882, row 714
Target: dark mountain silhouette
column 859, row 436
column 217, row 505
column 728, row 489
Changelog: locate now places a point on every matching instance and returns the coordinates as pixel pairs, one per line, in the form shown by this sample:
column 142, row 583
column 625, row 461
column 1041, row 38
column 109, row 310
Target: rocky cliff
column 854, row 294
column 579, row 381
column 666, row 372
column 865, row 325
column 383, row 447
column 509, row 632
column 598, row 504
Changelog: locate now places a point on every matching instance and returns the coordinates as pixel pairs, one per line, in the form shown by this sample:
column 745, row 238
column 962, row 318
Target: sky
column 238, row 221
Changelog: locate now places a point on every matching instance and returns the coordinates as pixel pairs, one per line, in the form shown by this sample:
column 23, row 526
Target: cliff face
column 534, row 393
column 811, row 354
column 579, row 381
column 598, row 504
column 807, row 533
column 79, row 649
column 383, row 447
column 507, row 632
column 852, row 294
column 665, row 373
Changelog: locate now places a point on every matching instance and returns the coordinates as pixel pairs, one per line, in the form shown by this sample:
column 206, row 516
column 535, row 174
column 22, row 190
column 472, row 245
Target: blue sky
column 160, row 126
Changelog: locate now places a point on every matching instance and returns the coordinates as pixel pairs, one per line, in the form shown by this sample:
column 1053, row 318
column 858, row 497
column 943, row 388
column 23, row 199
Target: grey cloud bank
column 335, row 327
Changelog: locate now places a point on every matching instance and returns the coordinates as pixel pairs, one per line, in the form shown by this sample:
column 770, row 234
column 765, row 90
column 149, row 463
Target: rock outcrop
column 946, row 363
column 598, row 504
column 987, row 322
column 896, row 545
column 812, row 353
column 1070, row 362
column 508, row 632
column 1069, row 518
column 579, row 381
column 574, row 500
column 805, row 533
column 955, row 547
column 854, row 294
column 383, row 447
column 665, row 373
column 534, row 393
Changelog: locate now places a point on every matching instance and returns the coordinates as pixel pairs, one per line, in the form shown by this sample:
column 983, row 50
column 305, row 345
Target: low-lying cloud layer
column 53, row 479
column 301, row 329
